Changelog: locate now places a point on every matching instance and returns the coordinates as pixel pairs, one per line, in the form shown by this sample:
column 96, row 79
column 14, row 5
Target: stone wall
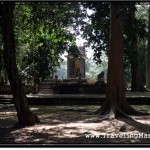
column 6, row 89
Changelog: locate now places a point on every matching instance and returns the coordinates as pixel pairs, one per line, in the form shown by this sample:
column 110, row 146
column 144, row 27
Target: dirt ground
column 73, row 125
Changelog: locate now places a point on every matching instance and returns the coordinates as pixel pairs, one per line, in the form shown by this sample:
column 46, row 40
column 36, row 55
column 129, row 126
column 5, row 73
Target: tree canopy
column 42, row 33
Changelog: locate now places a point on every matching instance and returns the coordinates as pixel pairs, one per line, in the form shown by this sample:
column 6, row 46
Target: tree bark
column 137, row 84
column 148, row 55
column 116, row 103
column 25, row 116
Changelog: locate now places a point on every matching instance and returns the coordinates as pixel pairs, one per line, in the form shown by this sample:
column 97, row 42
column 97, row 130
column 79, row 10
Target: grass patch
column 8, row 110
column 63, row 109
column 141, row 107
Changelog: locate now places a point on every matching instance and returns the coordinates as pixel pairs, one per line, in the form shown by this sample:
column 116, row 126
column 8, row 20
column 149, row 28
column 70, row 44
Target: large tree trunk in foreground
column 148, row 55
column 116, row 103
column 25, row 116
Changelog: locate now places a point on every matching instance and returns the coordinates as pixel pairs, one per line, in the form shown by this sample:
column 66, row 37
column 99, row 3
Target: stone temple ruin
column 76, row 65
column 75, row 83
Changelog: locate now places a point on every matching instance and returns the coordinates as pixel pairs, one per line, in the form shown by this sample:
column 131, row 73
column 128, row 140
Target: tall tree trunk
column 116, row 103
column 148, row 55
column 25, row 116
column 137, row 84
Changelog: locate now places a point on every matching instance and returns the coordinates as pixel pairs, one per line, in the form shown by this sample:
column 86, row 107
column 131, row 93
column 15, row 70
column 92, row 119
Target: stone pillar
column 71, row 67
column 82, row 67
column 71, row 70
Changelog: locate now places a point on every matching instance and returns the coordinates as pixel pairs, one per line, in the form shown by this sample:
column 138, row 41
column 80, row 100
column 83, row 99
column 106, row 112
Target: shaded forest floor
column 73, row 125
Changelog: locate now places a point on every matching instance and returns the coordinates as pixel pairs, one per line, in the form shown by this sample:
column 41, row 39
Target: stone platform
column 71, row 86
column 136, row 98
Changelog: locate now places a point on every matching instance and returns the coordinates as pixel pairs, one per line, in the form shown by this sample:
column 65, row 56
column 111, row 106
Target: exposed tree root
column 28, row 120
column 114, row 112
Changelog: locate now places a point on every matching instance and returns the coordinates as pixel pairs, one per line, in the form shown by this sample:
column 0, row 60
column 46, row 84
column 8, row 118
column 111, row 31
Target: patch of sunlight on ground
column 71, row 124
column 69, row 131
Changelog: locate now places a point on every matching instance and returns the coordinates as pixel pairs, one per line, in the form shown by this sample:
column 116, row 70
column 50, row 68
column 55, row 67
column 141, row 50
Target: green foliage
column 42, row 32
column 93, row 69
column 74, row 51
column 41, row 61
column 42, row 35
column 96, row 30
column 137, row 26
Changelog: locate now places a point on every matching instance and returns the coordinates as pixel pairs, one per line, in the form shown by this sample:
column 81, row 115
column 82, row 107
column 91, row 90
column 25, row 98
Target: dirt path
column 72, row 124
